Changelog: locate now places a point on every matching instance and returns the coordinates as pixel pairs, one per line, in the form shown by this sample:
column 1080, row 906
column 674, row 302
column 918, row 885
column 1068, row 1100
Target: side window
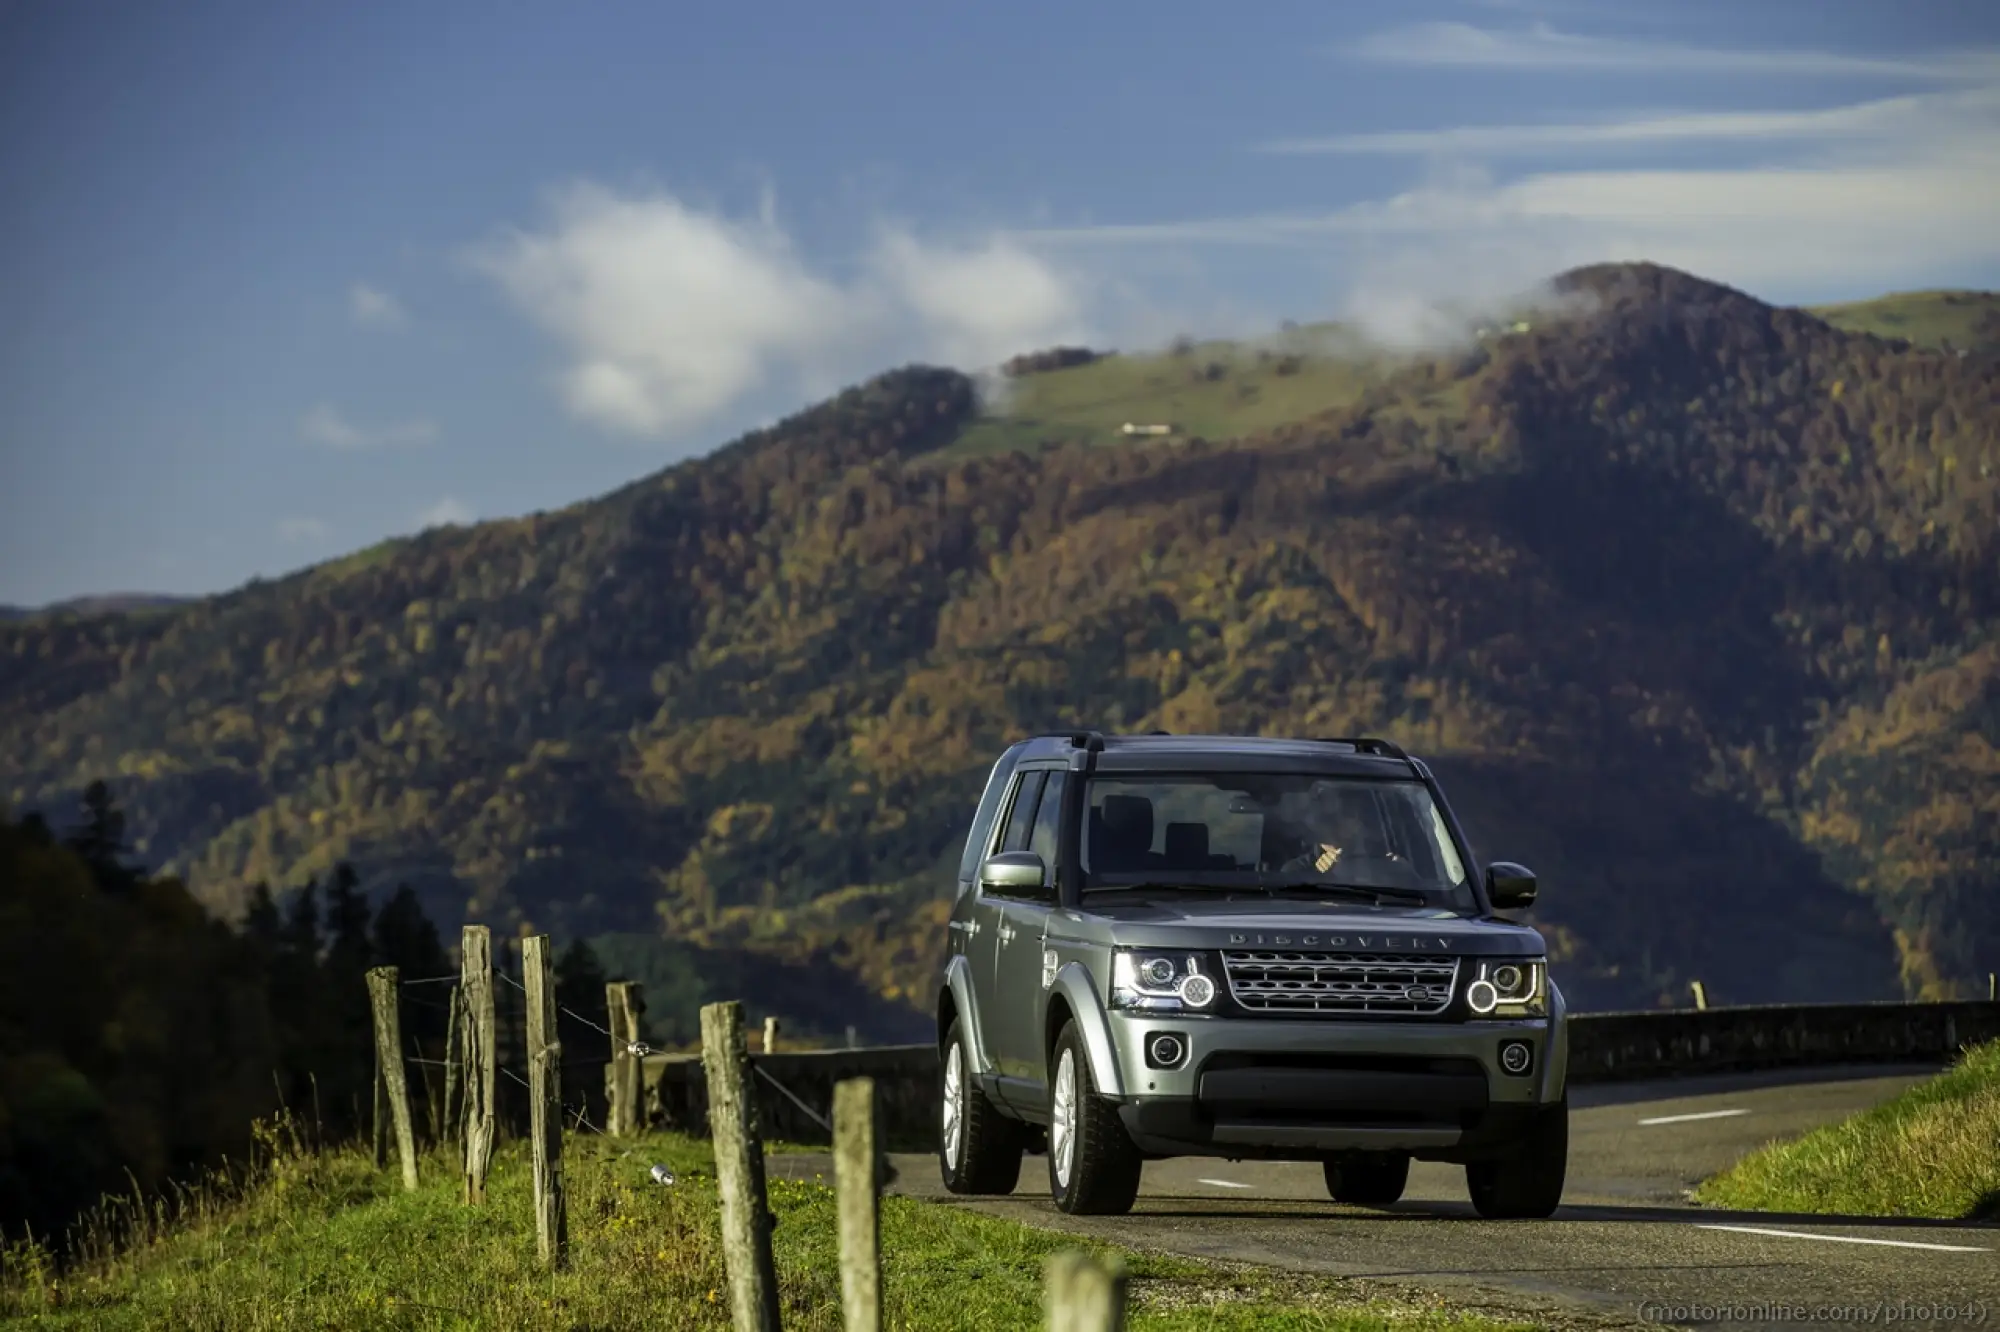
column 1021, row 817
column 1048, row 822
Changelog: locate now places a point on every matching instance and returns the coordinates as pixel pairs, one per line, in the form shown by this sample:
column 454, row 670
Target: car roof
column 1360, row 757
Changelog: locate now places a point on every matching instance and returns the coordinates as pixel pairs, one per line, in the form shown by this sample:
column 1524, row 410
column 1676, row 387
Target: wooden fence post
column 770, row 1034
column 385, row 989
column 475, row 983
column 624, row 1002
column 739, row 1170
column 1080, row 1294
column 545, row 1101
column 855, row 1178
column 1700, row 995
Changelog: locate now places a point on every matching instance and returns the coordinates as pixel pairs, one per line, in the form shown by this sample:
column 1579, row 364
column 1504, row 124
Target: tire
column 979, row 1149
column 1528, row 1181
column 1368, row 1179
column 1093, row 1166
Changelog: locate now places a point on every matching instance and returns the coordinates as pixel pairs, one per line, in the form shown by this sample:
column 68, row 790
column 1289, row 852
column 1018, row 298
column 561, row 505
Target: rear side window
column 1048, row 821
column 1021, row 818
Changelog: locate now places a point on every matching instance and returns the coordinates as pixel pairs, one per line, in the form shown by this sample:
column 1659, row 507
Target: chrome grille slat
column 1281, row 981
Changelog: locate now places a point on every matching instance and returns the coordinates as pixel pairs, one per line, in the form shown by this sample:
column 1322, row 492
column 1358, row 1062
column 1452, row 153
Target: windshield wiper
column 1161, row 886
column 1412, row 896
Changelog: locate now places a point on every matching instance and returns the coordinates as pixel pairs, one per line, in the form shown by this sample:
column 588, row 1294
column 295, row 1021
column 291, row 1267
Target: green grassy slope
column 1933, row 1151
column 328, row 1242
column 1960, row 319
column 1212, row 390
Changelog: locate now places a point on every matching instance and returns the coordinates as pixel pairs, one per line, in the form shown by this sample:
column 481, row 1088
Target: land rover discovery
column 1248, row 948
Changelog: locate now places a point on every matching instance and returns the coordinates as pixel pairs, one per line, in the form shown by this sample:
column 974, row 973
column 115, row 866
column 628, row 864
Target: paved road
column 1625, row 1241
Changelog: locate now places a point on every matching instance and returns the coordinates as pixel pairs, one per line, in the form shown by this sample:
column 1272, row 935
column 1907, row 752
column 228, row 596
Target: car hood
column 1294, row 925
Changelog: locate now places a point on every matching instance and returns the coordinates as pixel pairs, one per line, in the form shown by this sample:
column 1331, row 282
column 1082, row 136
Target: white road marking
column 1223, row 1183
column 1682, row 1119
column 1844, row 1239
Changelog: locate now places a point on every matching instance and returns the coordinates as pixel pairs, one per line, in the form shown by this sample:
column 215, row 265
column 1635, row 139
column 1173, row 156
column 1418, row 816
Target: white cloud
column 1886, row 194
column 372, row 305
column 447, row 512
column 1449, row 45
column 324, row 425
column 982, row 304
column 670, row 315
column 303, row 531
column 1887, row 117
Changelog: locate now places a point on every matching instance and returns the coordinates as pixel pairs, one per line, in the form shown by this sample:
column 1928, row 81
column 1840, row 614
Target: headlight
column 1161, row 982
column 1509, row 988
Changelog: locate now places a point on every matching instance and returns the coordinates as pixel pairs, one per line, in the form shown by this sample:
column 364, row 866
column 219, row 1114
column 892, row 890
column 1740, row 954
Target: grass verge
column 1934, row 1151
column 323, row 1240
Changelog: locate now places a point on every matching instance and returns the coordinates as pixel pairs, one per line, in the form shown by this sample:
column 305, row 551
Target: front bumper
column 1298, row 1088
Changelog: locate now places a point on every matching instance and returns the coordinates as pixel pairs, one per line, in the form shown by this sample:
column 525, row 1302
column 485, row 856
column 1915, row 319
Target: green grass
column 1927, row 318
column 1934, row 1151
column 1255, row 387
column 325, row 1241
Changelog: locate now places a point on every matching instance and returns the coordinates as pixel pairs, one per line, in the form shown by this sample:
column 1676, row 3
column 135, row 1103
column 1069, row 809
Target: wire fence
column 636, row 1049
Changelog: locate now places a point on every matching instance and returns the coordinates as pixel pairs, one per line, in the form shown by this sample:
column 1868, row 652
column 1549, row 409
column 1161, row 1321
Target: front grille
column 1276, row 982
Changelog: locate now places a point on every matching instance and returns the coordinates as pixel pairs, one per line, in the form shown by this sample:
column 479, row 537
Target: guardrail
column 1603, row 1047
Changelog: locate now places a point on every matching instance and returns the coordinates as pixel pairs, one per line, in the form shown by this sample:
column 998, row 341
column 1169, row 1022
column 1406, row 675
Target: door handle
column 1006, row 933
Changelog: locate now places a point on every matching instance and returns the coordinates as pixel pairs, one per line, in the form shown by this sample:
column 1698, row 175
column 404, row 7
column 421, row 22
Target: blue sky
column 277, row 282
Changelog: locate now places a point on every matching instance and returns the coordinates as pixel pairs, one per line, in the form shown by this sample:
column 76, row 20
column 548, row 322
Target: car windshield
column 1276, row 832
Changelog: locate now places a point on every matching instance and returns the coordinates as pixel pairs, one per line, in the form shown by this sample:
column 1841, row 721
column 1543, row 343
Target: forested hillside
column 1692, row 600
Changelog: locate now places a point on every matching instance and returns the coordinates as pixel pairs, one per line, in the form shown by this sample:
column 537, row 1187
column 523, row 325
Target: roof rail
column 1092, row 740
column 1364, row 744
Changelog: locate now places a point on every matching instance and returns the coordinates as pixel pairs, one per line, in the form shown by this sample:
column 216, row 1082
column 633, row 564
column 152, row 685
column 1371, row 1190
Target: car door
column 1024, row 926
column 987, row 922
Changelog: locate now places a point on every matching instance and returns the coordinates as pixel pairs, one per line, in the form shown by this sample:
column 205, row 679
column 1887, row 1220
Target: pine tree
column 405, row 937
column 100, row 840
column 261, row 921
column 349, row 952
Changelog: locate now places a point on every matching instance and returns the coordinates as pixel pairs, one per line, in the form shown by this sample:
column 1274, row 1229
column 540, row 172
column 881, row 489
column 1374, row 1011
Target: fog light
column 1515, row 1056
column 1166, row 1050
column 1481, row 997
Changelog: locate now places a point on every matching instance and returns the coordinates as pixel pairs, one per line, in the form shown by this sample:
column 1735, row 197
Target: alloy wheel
column 1062, row 1118
column 954, row 1093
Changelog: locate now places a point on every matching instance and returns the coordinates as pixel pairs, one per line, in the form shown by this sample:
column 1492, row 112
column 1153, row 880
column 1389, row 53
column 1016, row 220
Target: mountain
column 116, row 603
column 1690, row 598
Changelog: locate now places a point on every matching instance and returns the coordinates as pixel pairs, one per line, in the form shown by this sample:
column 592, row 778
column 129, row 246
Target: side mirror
column 1508, row 886
column 1013, row 874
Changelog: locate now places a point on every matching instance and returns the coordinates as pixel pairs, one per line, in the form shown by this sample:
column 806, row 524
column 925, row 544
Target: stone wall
column 1603, row 1047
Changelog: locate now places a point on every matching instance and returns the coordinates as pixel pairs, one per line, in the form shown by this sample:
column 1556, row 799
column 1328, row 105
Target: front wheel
column 1528, row 1181
column 1093, row 1166
column 979, row 1149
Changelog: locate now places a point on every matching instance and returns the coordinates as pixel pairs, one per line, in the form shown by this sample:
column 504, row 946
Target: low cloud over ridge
column 670, row 316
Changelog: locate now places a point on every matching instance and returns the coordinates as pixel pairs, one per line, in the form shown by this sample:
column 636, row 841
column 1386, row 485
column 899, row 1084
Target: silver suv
column 1246, row 948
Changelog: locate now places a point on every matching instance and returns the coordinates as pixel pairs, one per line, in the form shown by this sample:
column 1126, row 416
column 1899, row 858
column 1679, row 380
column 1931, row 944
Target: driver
column 1340, row 823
